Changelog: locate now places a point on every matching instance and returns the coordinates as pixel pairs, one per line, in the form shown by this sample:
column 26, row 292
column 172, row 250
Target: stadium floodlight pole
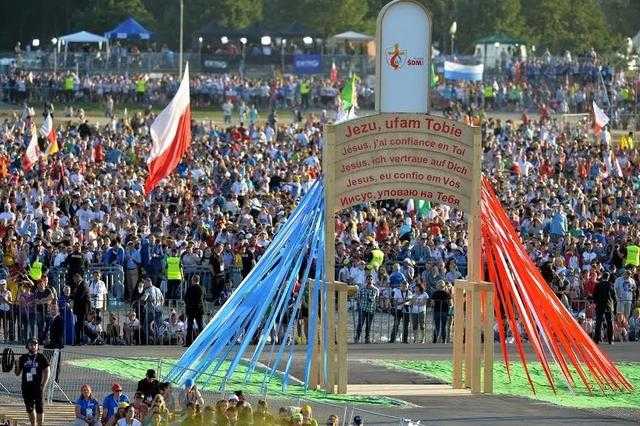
column 181, row 36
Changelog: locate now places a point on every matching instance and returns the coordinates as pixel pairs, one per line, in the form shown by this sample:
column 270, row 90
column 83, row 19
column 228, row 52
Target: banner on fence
column 307, row 64
column 455, row 71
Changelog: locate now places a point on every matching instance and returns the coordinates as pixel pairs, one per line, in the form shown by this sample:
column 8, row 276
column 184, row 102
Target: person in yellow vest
column 174, row 275
column 141, row 88
column 376, row 257
column 626, row 141
column 633, row 255
column 305, row 92
column 488, row 96
column 35, row 270
column 69, row 82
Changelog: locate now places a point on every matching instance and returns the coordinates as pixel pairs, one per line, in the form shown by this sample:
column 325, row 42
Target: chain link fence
column 71, row 369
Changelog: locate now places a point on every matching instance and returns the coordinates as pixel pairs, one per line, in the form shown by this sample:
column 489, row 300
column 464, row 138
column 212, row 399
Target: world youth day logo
column 396, row 57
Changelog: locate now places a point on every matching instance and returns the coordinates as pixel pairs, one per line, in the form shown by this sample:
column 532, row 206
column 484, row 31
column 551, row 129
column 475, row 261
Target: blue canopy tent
column 129, row 29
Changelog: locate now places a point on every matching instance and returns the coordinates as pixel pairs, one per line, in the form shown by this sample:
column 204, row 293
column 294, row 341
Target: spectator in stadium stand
column 194, row 308
column 625, row 287
column 87, row 408
column 34, row 369
column 6, row 311
column 129, row 419
column 152, row 300
column 604, row 297
column 81, row 307
column 76, row 264
column 166, row 392
column 367, row 305
column 634, row 325
column 56, row 328
column 218, row 269
column 43, row 296
column 112, row 401
column 418, row 313
column 132, row 268
column 441, row 301
column 149, row 385
column 191, row 394
column 401, row 302
column 141, row 407
column 98, row 292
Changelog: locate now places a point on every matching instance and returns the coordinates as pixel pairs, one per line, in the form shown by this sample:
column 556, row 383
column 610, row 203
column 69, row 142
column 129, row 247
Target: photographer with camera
column 35, row 370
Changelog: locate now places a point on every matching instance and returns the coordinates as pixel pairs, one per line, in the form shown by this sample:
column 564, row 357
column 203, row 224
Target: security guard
column 376, row 258
column 488, row 95
column 35, row 271
column 69, row 82
column 141, row 88
column 305, row 91
column 174, row 275
column 633, row 255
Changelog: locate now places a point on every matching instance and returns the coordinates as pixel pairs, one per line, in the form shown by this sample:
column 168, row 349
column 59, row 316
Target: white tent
column 82, row 37
column 352, row 36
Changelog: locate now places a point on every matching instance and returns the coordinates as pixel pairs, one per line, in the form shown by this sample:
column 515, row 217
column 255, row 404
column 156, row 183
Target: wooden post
column 343, row 371
column 474, row 329
column 487, row 386
column 330, row 383
column 468, row 339
column 458, row 332
column 314, row 376
column 329, row 256
column 474, row 259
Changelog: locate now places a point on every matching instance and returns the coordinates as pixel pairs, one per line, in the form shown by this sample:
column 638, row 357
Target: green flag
column 434, row 76
column 349, row 93
column 422, row 208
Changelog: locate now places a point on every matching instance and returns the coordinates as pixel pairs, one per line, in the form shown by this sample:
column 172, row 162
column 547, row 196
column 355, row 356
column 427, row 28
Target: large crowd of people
column 78, row 217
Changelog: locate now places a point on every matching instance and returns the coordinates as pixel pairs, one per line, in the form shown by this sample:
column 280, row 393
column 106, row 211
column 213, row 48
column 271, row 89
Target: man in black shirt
column 441, row 304
column 193, row 307
column 217, row 266
column 81, row 304
column 76, row 264
column 42, row 298
column 605, row 299
column 34, row 368
column 149, row 386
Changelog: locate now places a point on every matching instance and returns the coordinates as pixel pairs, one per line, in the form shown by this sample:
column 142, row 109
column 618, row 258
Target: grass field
column 518, row 385
column 126, row 369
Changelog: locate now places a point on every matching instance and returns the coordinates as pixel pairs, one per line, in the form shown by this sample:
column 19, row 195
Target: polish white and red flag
column 171, row 136
column 32, row 154
column 600, row 119
column 49, row 133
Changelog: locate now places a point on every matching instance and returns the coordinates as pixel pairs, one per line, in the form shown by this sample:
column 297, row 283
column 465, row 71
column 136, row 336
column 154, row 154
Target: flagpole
column 181, row 36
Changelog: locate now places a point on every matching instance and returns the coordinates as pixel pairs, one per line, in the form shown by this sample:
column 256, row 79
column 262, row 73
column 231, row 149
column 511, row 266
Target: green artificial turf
column 135, row 369
column 518, row 385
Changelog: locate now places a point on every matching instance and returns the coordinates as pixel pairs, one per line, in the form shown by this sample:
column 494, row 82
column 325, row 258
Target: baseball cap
column 357, row 420
column 116, row 387
column 188, row 384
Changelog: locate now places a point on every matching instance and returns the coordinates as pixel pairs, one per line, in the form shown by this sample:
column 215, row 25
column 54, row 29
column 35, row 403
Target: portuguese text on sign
column 397, row 156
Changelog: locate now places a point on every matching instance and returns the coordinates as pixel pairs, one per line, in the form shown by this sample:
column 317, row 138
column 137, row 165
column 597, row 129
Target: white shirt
column 98, row 292
column 8, row 216
column 419, row 303
column 123, row 422
column 84, row 218
column 400, row 297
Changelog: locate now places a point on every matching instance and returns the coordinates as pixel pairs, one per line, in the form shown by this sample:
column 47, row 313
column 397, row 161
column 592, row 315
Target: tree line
column 557, row 25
